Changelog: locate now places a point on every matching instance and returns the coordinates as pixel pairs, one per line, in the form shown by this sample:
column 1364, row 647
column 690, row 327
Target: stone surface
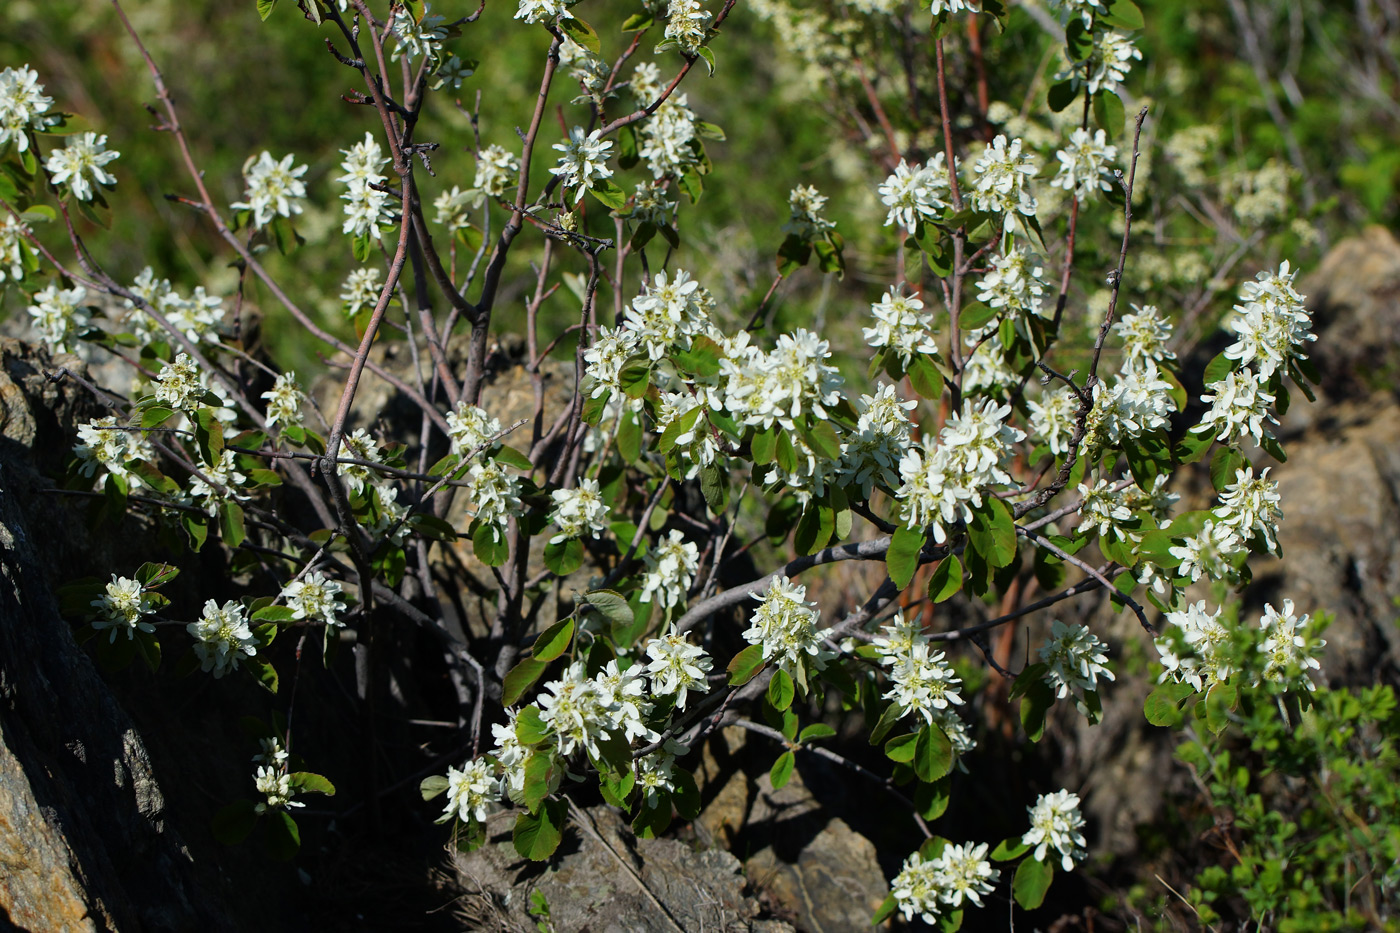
column 605, row 880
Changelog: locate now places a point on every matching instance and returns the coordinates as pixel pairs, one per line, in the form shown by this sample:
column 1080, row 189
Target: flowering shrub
column 998, row 426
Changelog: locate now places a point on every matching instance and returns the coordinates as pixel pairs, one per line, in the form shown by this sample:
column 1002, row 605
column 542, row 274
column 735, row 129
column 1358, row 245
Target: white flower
column 122, row 607
column 1084, row 9
column 956, row 6
column 1000, row 174
column 472, row 792
column 218, row 483
column 1084, row 163
column 624, row 693
column 1144, row 335
column 576, row 710
column 510, row 753
column 1111, row 60
column 1014, row 286
column 806, row 205
column 915, row 194
column 12, row 250
column 358, row 446
column 650, row 205
column 180, row 385
column 23, row 106
column 1239, row 406
column 965, row 872
column 1138, row 403
column 918, row 888
column 276, row 786
column 671, row 567
column 496, row 171
column 314, row 597
column 785, row 625
column 655, row 775
column 59, row 317
column 360, row 291
column 493, row 494
column 608, row 355
column 273, row 752
column 537, row 11
column 1272, row 323
column 923, row 682
column 1211, row 552
column 687, row 24
column 1076, row 659
column 578, row 512
column 284, row 401
column 367, row 208
column 1052, row 418
column 222, row 637
column 764, row 388
column 871, row 453
column 669, row 310
column 272, row 188
column 1102, row 507
column 102, row 442
column 418, row 36
column 584, row 161
column 80, row 165
column 677, row 667
column 1194, row 651
column 1055, row 824
column 666, row 137
column 470, row 427
column 902, row 325
column 1288, row 655
column 1251, row 507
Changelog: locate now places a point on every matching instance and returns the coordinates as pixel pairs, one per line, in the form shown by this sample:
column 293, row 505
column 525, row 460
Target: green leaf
column 932, row 799
column 764, row 446
column 992, row 533
column 902, row 748
column 886, row 910
column 781, row 771
column 933, row 754
column 233, row 823
column 1122, row 14
column 611, row 606
column 580, row 32
column 154, row 417
column 823, row 440
column 1009, row 849
column 781, row 690
column 274, row 614
column 1223, row 466
column 976, row 315
column 817, row 730
column 714, row 484
column 593, row 408
column 539, row 775
column 536, row 836
column 231, row 526
column 674, row 430
column 151, row 575
column 512, row 457
column 745, row 665
column 946, row 579
column 637, row 22
column 520, row 678
column 709, row 57
column 489, row 544
column 892, row 714
column 197, row 529
column 1061, row 95
column 433, row 785
column 554, row 640
column 925, row 376
column 308, row 782
column 1220, row 700
column 814, row 528
column 609, row 194
column 264, row 671
column 793, row 254
column 634, row 377
column 1217, row 369
column 1035, row 704
column 564, row 557
column 902, row 558
column 629, row 437
column 1193, row 446
column 265, row 8
column 1030, row 883
column 432, row 527
column 283, row 839
column 1163, row 705
column 686, row 796
column 1109, row 114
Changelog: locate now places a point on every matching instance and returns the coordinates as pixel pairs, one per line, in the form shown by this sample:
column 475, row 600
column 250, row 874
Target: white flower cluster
column 271, row 188
column 902, row 325
column 284, row 401
column 418, row 37
column 1055, row 825
column 805, row 205
column 578, row 512
column 362, row 446
column 470, row 427
column 650, row 205
column 928, row 887
column 871, row 453
column 1250, row 508
column 1052, row 418
column 1102, row 507
column 59, row 316
column 199, row 317
column 123, row 608
column 677, row 667
column 105, row 444
column 785, row 626
column 493, row 494
column 1211, row 552
column 12, row 248
column 222, row 637
column 367, row 207
column 23, row 107
column 956, row 6
column 1145, row 336
column 671, row 567
column 921, row 679
column 583, row 162
column 496, row 170
column 217, row 483
column 670, row 310
column 1014, row 286
column 539, row 11
column 360, row 290
column 1084, row 163
column 1001, row 174
column 1288, row 652
column 697, row 447
column 1195, row 650
column 666, row 138
column 314, row 597
column 276, row 785
column 687, row 24
column 580, row 710
column 80, row 165
column 608, row 355
column 1076, row 659
column 1239, row 408
column 1084, row 9
column 1139, row 402
column 780, row 386
column 180, row 385
column 917, row 193
column 1109, row 63
column 472, row 792
column 943, row 480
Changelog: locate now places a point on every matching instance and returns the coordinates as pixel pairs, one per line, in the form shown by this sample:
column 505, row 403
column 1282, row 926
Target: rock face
column 605, row 880
column 83, row 839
